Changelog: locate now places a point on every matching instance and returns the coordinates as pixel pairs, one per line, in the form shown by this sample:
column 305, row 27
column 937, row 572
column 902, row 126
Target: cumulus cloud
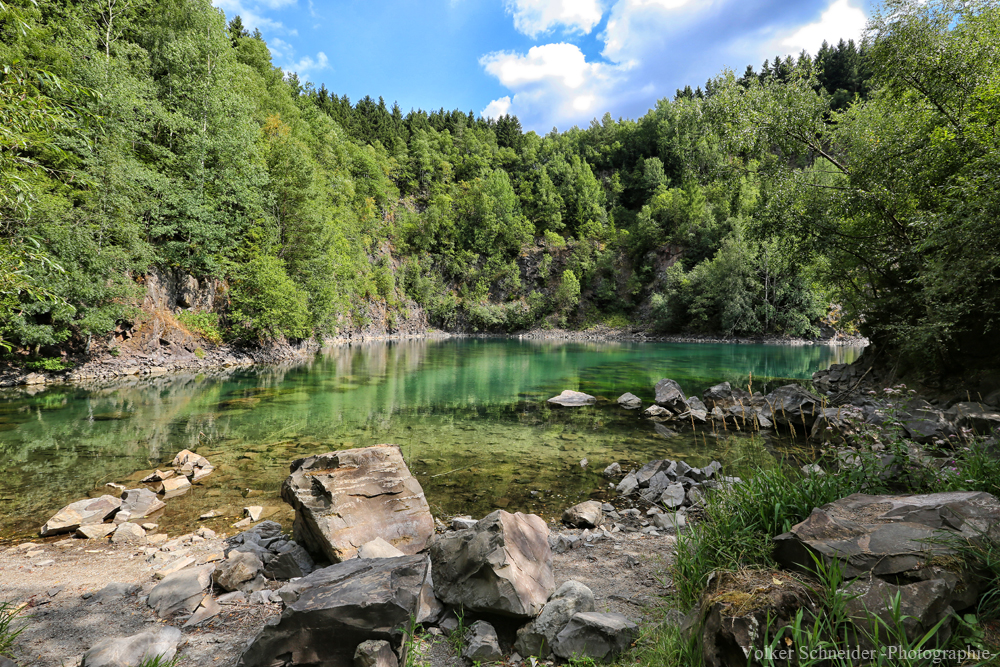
column 251, row 16
column 497, row 108
column 551, row 79
column 534, row 17
column 840, row 21
column 651, row 48
column 308, row 65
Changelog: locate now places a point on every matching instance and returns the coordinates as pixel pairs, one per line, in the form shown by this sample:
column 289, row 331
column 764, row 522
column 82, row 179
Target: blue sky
column 553, row 63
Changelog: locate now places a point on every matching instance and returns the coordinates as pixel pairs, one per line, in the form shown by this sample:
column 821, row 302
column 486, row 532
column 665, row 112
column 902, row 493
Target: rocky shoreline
column 202, row 357
column 223, row 358
column 606, row 333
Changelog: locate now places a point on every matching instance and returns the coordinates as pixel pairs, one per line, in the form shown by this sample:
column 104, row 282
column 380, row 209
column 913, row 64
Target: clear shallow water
column 470, row 415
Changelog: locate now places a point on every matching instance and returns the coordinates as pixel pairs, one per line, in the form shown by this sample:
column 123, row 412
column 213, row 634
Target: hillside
column 161, row 138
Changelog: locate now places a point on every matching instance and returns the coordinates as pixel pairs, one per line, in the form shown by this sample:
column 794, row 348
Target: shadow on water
column 470, row 416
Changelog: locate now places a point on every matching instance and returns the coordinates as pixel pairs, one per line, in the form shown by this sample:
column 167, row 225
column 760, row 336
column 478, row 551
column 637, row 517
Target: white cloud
column 841, row 20
column 551, row 81
column 561, row 63
column 309, row 65
column 251, row 17
column 534, row 17
column 651, row 48
column 497, row 108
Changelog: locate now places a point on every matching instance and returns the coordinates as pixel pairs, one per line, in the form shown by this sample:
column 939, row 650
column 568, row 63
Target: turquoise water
column 470, row 415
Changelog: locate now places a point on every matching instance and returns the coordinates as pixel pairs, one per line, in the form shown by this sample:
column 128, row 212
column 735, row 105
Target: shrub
column 48, row 364
column 205, row 325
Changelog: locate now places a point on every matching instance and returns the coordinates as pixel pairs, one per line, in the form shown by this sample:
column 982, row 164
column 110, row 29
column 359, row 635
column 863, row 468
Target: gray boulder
column 237, row 570
column 630, row 401
column 375, row 653
column 329, row 612
column 74, row 515
column 347, row 498
column 923, row 423
column 793, row 406
column 673, row 496
column 481, row 643
column 894, row 537
column 923, row 605
column 658, row 413
column 138, row 504
column 596, row 635
column 628, row 484
column 127, row 533
column 131, row 651
column 724, row 396
column 181, row 591
column 585, row 515
column 613, row 470
column 650, row 470
column 669, row 521
column 670, row 395
column 572, row 399
column 536, row 638
column 981, row 419
column 503, row 565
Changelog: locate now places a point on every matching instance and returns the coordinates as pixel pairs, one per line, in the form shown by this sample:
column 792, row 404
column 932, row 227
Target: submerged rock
column 345, row 499
column 630, row 401
column 572, row 399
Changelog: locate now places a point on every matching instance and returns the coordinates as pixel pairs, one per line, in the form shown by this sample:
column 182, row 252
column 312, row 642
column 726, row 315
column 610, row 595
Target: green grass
column 159, row 661
column 740, row 522
column 10, row 628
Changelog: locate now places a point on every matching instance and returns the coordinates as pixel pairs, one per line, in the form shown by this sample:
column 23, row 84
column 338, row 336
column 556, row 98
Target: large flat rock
column 502, row 565
column 331, row 611
column 345, row 499
column 80, row 513
column 888, row 535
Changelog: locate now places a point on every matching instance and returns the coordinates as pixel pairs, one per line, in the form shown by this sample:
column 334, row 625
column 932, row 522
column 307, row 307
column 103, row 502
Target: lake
column 470, row 415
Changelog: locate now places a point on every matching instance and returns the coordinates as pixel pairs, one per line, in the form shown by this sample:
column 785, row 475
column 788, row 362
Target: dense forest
column 142, row 133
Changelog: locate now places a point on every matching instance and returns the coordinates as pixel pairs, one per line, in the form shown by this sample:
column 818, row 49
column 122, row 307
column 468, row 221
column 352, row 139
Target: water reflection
column 470, row 415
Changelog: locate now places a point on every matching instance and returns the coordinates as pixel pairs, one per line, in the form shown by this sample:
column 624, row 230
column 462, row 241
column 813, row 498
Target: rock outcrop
column 345, row 499
column 503, row 565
